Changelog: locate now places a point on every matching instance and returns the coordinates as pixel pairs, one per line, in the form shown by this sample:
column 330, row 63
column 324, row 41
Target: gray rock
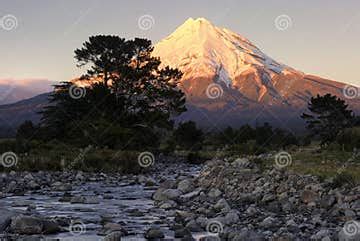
column 5, row 218
column 172, row 194
column 114, row 228
column 251, row 210
column 193, row 226
column 185, row 186
column 168, row 204
column 222, row 205
column 26, row 225
column 268, row 222
column 79, row 176
column 246, row 235
column 154, row 233
column 231, row 217
column 182, row 233
column 308, row 196
column 210, row 238
column 190, row 195
column 159, row 195
column 61, row 187
column 214, row 193
column 50, row 227
column 241, row 163
column 321, row 235
column 33, row 185
column 349, row 213
column 114, row 236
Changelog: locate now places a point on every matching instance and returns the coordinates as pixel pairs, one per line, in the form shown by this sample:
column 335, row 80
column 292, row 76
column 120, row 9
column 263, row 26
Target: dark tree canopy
column 128, row 91
column 329, row 115
column 188, row 136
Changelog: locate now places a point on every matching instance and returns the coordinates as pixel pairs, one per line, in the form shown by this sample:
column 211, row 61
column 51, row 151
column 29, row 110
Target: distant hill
column 13, row 90
column 13, row 115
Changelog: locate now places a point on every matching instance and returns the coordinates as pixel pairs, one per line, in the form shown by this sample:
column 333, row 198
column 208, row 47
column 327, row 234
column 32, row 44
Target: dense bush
column 188, row 136
column 249, row 140
column 349, row 138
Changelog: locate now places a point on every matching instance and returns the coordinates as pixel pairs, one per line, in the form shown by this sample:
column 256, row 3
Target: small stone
column 268, row 222
column 231, row 217
column 193, row 226
column 222, row 205
column 114, row 236
column 214, row 193
column 308, row 196
column 185, row 186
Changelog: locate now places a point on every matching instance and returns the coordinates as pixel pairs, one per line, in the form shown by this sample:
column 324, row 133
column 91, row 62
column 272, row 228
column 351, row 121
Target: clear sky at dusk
column 323, row 39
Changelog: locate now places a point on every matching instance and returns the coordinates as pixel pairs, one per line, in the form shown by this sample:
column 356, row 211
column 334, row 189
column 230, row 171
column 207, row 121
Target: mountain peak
column 199, row 48
column 194, row 25
column 197, row 21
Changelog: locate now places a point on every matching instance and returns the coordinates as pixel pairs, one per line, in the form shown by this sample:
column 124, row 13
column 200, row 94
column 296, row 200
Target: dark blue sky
column 323, row 39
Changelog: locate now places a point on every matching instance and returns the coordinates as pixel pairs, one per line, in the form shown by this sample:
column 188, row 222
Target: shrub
column 188, row 136
column 194, row 158
column 8, row 145
column 349, row 138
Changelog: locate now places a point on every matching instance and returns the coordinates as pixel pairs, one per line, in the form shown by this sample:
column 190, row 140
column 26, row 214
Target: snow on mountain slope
column 200, row 48
column 209, row 55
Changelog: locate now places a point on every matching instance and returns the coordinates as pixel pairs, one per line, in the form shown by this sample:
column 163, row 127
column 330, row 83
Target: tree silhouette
column 188, row 136
column 329, row 116
column 104, row 54
column 127, row 89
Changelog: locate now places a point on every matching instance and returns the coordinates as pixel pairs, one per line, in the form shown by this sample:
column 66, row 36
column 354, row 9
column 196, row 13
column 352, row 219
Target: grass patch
column 58, row 157
column 327, row 164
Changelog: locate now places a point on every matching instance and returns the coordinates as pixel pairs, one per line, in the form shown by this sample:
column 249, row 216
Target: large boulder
column 26, row 225
column 154, row 233
column 5, row 218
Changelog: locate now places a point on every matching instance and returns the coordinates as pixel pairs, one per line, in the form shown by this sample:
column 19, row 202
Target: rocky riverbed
column 234, row 200
column 228, row 199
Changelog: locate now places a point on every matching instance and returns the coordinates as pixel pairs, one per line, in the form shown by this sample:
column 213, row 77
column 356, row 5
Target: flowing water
column 129, row 204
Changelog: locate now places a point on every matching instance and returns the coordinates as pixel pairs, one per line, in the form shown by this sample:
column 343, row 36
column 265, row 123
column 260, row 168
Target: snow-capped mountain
column 201, row 49
column 223, row 70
